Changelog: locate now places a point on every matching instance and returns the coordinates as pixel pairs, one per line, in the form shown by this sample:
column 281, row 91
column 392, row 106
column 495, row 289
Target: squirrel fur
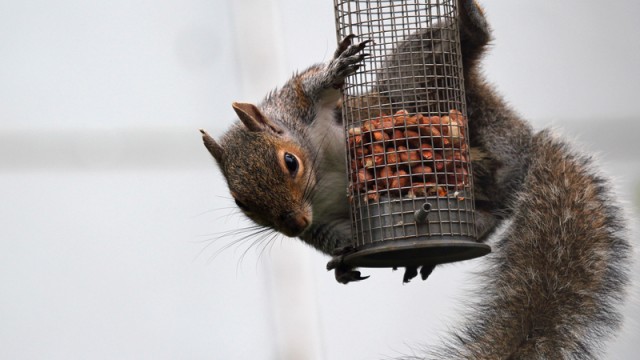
column 560, row 266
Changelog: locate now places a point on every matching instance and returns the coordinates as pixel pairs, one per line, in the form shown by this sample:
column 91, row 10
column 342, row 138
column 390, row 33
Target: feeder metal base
column 400, row 253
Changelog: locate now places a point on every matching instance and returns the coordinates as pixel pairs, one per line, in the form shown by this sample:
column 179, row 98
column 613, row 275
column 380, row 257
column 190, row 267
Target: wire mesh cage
column 411, row 185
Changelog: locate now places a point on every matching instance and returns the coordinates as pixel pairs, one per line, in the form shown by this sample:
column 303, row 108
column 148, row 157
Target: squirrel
column 561, row 260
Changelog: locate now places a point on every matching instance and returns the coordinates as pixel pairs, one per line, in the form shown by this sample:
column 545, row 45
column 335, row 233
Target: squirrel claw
column 347, row 59
column 411, row 272
column 426, row 270
column 347, row 276
column 344, row 274
column 347, row 43
column 344, row 44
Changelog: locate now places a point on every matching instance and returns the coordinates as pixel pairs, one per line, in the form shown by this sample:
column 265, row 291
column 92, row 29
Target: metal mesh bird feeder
column 411, row 186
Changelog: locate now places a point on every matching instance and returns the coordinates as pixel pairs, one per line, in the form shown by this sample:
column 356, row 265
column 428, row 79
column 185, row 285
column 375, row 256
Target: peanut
column 361, row 152
column 371, row 161
column 363, row 176
column 426, row 151
column 399, row 180
column 409, row 156
column 398, row 135
column 383, row 177
column 379, row 136
column 421, row 188
column 392, row 156
column 406, row 155
column 372, row 196
column 377, row 149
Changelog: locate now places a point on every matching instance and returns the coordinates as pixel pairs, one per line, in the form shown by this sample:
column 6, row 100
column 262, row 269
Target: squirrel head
column 269, row 174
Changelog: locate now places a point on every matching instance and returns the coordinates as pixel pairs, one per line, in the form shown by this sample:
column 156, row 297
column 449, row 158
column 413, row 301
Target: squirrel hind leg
column 475, row 32
column 486, row 224
column 474, row 15
column 411, row 272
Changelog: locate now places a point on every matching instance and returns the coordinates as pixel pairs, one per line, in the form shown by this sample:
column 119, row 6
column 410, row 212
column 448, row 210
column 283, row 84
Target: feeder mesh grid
column 405, row 121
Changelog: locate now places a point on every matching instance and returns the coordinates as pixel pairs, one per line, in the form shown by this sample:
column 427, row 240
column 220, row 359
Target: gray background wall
column 110, row 207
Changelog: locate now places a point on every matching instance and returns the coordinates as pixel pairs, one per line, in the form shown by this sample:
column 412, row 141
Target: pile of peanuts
column 412, row 156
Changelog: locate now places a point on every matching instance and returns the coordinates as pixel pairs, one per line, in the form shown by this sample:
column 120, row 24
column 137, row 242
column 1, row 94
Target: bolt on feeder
column 404, row 111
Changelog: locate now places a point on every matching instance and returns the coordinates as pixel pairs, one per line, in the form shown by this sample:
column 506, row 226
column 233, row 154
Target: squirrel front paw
column 346, row 61
column 344, row 273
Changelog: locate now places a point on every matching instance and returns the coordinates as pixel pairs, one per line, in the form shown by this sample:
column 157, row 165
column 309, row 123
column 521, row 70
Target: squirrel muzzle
column 293, row 223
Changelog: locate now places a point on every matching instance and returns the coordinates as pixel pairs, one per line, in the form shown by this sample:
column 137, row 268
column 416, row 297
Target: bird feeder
column 404, row 113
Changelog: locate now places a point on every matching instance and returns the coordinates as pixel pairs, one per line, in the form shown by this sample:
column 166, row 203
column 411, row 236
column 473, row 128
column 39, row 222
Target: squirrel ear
column 214, row 148
column 253, row 119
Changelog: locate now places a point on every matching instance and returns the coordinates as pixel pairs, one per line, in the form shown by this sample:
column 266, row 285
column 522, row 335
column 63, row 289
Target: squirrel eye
column 291, row 162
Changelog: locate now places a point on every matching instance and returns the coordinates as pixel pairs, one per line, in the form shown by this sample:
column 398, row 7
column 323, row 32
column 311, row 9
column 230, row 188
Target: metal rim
column 415, row 253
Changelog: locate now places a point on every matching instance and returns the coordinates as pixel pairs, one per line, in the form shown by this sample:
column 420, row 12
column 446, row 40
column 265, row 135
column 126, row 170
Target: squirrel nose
column 294, row 223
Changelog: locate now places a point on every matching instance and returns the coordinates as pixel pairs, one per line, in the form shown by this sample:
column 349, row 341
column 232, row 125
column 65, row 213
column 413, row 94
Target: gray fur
column 303, row 114
column 559, row 270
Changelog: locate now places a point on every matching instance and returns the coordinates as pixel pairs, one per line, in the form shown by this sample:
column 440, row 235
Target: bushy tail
column 559, row 271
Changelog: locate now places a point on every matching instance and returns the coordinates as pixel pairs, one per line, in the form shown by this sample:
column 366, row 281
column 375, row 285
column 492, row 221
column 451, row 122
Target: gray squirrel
column 560, row 266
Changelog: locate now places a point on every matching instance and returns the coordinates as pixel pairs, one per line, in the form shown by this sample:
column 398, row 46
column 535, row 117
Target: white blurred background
column 110, row 207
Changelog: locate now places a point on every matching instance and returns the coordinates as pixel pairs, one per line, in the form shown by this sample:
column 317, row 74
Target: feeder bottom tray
column 399, row 253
